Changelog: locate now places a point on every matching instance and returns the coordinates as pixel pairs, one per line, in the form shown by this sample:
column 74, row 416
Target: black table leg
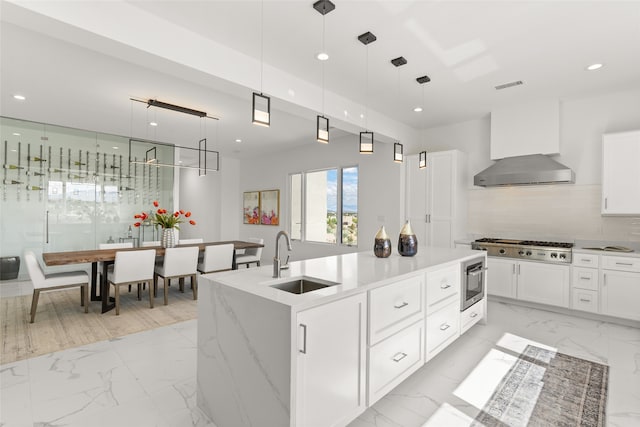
column 107, row 305
column 234, row 266
column 94, row 280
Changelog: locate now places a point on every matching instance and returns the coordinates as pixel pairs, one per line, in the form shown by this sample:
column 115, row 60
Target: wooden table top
column 95, row 255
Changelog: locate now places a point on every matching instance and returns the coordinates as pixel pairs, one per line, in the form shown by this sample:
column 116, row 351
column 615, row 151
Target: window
column 324, row 206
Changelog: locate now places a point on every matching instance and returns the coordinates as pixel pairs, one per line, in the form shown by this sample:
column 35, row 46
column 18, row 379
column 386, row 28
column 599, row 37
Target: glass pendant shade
column 366, row 142
column 422, row 160
column 322, row 130
column 398, row 156
column 261, row 110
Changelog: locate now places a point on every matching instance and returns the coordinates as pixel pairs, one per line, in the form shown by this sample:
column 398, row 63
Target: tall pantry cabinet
column 436, row 199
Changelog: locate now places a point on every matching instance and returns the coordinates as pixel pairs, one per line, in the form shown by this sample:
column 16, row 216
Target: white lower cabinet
column 501, row 277
column 442, row 328
column 472, row 315
column 621, row 294
column 585, row 300
column 394, row 359
column 331, row 363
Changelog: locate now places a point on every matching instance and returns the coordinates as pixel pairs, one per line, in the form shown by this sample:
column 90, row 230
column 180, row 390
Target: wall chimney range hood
column 530, row 169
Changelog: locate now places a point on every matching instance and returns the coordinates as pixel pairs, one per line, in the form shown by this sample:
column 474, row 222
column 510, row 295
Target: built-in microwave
column 473, row 282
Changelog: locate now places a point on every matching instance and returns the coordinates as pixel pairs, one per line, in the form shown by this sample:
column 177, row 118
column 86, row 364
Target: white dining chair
column 132, row 268
column 178, row 264
column 190, row 241
column 150, row 243
column 123, row 245
column 216, row 258
column 53, row 282
column 251, row 255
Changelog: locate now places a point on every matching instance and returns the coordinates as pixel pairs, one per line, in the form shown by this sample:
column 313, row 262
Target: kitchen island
column 270, row 357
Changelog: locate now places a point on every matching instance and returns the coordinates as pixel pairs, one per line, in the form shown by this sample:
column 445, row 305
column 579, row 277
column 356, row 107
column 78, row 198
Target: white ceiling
column 81, row 79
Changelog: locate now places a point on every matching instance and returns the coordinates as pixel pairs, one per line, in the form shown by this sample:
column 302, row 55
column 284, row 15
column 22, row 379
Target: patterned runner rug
column 545, row 388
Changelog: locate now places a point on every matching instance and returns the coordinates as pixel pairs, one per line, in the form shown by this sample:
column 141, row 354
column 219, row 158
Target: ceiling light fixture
column 594, row 67
column 238, row 140
column 322, row 122
column 19, row 97
column 418, row 109
column 398, row 155
column 153, row 124
column 16, row 134
column 422, row 157
column 261, row 114
column 366, row 137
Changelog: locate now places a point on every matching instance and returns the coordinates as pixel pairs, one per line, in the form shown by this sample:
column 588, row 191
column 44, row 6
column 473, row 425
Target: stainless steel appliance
column 555, row 252
column 473, row 282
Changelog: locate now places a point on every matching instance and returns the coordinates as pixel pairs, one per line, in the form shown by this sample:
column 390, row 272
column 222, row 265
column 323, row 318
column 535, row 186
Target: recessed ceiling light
column 361, row 116
column 291, row 92
column 593, row 67
column 19, row 97
column 115, row 148
column 238, row 140
column 417, row 109
column 16, row 134
column 153, row 124
column 322, row 56
column 346, row 113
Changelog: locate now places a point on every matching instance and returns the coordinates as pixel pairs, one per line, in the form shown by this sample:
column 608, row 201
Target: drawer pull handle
column 445, row 286
column 585, row 278
column 585, row 300
column 585, row 260
column 399, row 356
column 473, row 314
column 444, row 327
column 404, row 304
column 304, row 339
column 624, row 263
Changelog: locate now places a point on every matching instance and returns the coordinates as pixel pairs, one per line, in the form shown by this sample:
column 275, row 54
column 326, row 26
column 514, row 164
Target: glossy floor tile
column 149, row 378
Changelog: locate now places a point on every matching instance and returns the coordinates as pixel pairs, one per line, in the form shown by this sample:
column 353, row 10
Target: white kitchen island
column 268, row 357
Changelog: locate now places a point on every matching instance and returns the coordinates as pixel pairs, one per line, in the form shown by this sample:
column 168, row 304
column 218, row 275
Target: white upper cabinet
column 621, row 173
column 436, row 198
column 532, row 128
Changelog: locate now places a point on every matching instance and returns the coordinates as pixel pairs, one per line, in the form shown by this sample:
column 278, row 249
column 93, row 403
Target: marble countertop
column 354, row 273
column 580, row 245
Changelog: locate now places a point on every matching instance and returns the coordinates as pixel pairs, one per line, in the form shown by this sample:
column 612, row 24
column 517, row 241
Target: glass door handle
column 46, row 222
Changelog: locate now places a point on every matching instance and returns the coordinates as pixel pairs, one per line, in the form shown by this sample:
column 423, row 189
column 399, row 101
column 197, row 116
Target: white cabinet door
column 620, row 291
column 501, row 277
column 416, row 199
column 620, row 173
column 543, row 283
column 440, row 198
column 331, row 363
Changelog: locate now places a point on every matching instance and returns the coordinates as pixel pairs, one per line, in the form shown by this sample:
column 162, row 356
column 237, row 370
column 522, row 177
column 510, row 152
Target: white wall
column 380, row 199
column 557, row 212
column 212, row 199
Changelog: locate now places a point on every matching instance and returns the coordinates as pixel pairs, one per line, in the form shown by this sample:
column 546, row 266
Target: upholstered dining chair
column 53, row 282
column 132, row 268
column 178, row 263
column 250, row 255
column 217, row 258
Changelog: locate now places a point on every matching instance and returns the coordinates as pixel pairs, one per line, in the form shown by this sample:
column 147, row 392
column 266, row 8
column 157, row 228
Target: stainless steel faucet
column 276, row 259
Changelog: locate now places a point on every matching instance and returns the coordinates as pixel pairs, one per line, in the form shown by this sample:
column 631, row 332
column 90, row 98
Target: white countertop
column 354, row 272
column 580, row 245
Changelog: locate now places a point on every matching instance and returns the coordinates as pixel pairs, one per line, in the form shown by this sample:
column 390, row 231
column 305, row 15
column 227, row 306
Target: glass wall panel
column 321, row 206
column 350, row 206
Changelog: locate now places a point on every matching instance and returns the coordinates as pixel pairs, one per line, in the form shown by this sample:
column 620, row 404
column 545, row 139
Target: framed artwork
column 270, row 207
column 251, row 207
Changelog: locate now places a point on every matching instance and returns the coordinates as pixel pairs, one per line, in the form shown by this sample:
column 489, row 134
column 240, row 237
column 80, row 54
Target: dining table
column 108, row 256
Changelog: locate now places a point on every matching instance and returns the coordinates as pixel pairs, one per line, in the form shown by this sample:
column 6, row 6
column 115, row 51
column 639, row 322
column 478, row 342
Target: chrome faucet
column 276, row 258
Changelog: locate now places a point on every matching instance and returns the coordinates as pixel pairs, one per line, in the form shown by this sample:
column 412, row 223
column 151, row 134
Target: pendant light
column 422, row 158
column 398, row 155
column 366, row 137
column 322, row 123
column 261, row 111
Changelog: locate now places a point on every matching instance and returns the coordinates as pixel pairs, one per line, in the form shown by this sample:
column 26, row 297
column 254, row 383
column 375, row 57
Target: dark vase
column 407, row 242
column 382, row 244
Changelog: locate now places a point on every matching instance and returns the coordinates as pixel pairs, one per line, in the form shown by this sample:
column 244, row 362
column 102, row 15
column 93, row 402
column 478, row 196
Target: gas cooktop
column 556, row 252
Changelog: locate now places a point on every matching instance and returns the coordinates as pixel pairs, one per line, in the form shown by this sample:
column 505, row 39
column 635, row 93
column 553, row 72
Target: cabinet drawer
column 621, row 263
column 442, row 285
column 585, row 300
column 585, row 260
column 395, row 306
column 394, row 359
column 442, row 328
column 585, row 278
column 471, row 316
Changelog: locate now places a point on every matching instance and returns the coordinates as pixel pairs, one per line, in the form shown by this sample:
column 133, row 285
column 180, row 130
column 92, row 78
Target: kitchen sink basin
column 303, row 285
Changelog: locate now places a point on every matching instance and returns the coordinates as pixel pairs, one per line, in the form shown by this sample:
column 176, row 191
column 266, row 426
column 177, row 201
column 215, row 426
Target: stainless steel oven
column 473, row 282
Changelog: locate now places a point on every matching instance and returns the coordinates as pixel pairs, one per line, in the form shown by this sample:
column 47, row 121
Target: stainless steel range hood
column 525, row 170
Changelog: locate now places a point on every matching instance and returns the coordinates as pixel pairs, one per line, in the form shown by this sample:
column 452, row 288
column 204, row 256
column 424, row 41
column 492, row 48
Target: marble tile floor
column 149, row 378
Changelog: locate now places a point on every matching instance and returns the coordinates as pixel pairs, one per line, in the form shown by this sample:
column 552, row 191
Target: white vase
column 168, row 238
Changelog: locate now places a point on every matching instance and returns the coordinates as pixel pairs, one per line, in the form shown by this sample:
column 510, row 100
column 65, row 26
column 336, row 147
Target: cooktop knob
column 562, row 256
column 528, row 253
column 554, row 255
column 502, row 251
column 520, row 252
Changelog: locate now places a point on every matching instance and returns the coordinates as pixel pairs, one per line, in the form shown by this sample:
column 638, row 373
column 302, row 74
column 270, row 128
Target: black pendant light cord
column 261, row 43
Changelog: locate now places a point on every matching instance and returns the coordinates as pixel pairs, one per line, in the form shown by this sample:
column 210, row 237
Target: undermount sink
column 303, row 285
